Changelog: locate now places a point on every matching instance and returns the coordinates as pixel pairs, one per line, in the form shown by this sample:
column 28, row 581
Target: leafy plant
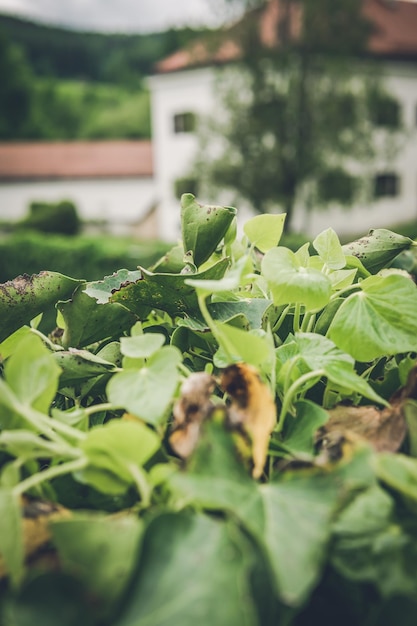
column 227, row 438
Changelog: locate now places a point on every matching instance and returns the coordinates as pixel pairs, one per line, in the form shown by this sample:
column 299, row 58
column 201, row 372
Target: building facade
column 110, row 182
column 184, row 88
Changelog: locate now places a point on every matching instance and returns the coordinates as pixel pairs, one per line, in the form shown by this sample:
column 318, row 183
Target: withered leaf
column 192, row 408
column 384, row 429
column 252, row 408
column 36, row 516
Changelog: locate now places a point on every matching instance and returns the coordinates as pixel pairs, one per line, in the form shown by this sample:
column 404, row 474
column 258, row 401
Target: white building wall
column 120, row 202
column 171, row 94
column 194, row 91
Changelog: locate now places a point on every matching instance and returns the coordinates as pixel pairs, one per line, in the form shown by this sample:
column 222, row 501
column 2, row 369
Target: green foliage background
column 81, row 257
column 64, row 84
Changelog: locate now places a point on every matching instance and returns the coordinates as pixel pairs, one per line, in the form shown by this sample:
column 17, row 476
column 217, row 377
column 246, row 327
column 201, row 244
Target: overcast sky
column 116, row 15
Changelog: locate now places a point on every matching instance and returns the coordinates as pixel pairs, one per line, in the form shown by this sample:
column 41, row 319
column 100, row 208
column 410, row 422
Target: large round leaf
column 291, row 283
column 379, row 320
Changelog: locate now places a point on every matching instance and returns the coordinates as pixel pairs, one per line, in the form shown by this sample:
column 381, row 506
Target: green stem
column 308, row 322
column 41, row 423
column 48, row 474
column 221, row 339
column 142, row 485
column 296, row 320
column 292, row 391
column 98, row 408
column 341, row 292
column 281, row 319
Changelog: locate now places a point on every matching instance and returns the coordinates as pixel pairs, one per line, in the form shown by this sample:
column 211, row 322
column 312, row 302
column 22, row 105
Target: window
column 386, row 185
column 185, row 185
column 184, row 122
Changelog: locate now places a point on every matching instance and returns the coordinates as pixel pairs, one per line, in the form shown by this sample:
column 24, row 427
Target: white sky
column 116, row 15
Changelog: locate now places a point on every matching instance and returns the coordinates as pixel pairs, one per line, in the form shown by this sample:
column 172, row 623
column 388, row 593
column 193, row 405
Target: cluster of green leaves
column 85, row 413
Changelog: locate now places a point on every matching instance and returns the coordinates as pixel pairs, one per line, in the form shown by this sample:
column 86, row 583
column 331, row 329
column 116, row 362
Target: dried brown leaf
column 252, row 408
column 384, row 429
column 192, row 408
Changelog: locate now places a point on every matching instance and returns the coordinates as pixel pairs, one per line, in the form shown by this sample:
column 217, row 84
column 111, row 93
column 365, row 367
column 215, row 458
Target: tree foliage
column 301, row 108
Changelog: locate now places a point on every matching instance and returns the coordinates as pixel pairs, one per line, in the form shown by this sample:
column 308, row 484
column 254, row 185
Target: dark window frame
column 184, row 122
column 386, row 185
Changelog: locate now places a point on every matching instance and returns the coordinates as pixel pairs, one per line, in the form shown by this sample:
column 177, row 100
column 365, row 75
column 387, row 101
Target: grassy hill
column 66, row 84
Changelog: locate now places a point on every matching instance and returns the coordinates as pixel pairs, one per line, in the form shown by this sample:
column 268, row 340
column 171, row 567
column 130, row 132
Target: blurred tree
column 15, row 91
column 300, row 111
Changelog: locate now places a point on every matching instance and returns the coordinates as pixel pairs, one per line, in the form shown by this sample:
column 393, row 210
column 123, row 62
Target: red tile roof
column 394, row 34
column 78, row 159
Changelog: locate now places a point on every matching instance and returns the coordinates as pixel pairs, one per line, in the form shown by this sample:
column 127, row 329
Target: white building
column 184, row 87
column 110, row 182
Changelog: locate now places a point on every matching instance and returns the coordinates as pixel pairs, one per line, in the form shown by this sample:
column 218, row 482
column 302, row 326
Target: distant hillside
column 70, row 54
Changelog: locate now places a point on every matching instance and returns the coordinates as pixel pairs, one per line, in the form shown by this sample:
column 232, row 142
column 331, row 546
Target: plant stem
column 281, row 319
column 48, row 474
column 142, row 485
column 296, row 320
column 292, row 391
column 221, row 339
column 97, row 408
column 341, row 292
column 308, row 322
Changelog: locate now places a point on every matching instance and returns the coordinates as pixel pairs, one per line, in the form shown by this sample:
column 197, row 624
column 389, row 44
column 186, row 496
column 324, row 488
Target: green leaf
column 147, row 392
column 25, row 297
column 298, row 513
column 101, row 290
column 290, row 519
column 32, row 373
column 291, row 283
column 379, row 320
column 141, row 346
column 299, row 431
column 378, row 249
column 229, row 282
column 78, row 365
column 168, row 292
column 252, row 308
column 11, row 539
column 203, row 227
column 329, row 249
column 319, row 353
column 265, row 231
column 188, row 563
column 114, row 451
column 372, row 546
column 399, row 472
column 9, row 345
column 100, row 551
column 86, row 321
column 217, row 479
column 238, row 345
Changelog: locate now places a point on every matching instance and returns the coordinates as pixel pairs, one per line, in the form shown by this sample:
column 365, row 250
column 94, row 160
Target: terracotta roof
column 393, row 34
column 78, row 159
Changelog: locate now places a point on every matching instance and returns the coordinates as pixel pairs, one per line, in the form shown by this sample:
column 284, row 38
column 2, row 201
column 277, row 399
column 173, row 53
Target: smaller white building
column 110, row 182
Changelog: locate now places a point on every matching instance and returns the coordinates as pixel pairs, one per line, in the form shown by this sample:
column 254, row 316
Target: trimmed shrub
column 52, row 217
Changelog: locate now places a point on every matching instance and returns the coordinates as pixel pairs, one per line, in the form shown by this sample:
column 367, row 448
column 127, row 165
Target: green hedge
column 52, row 217
column 80, row 257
